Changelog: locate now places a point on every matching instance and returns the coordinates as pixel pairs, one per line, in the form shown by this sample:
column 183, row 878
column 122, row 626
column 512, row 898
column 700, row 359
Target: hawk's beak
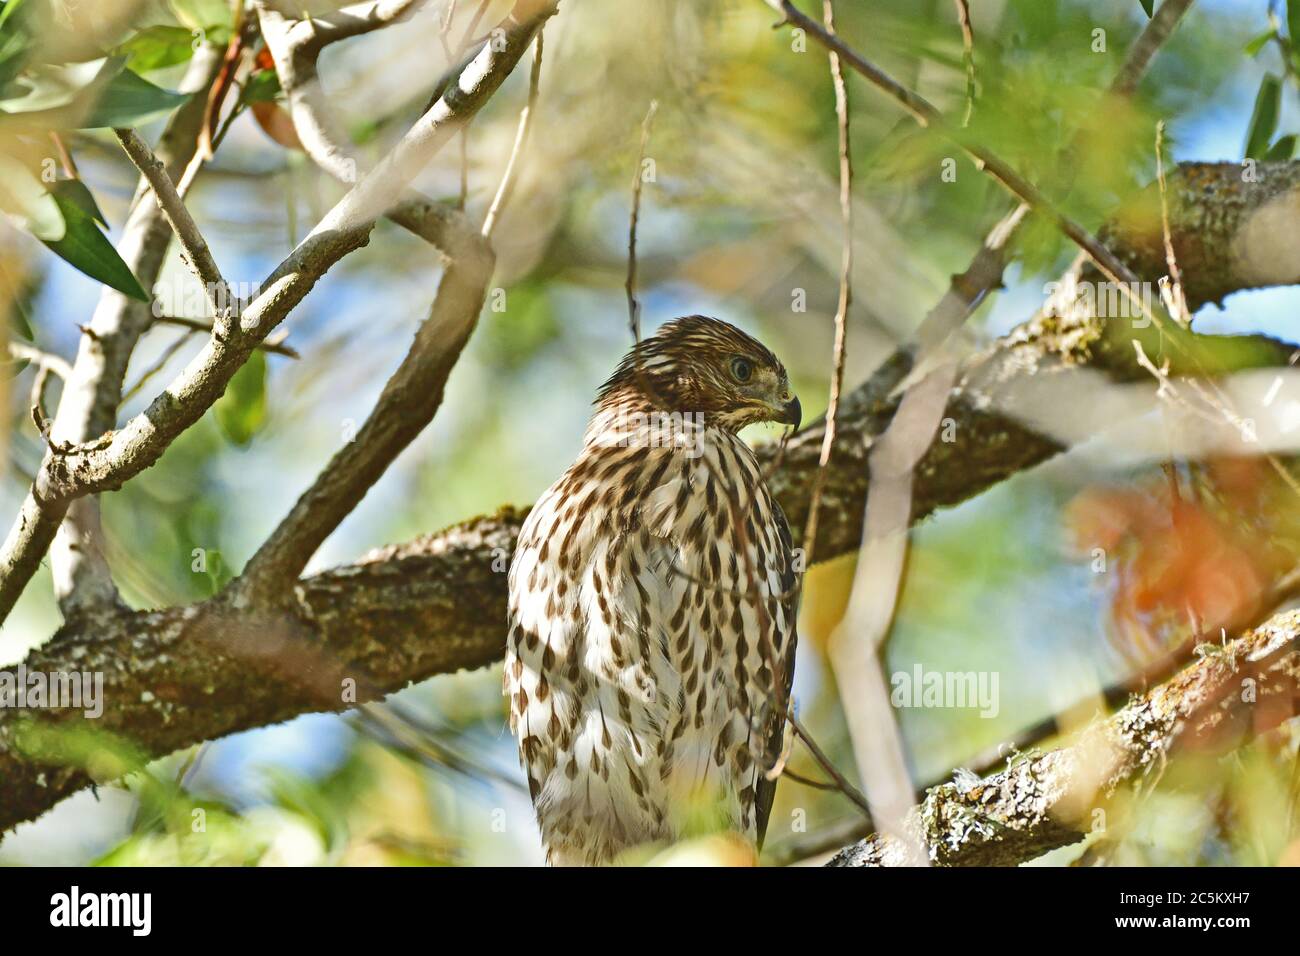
column 792, row 413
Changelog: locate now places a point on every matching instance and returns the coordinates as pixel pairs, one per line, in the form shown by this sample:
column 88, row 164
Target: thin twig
column 158, row 365
column 968, row 55
column 845, row 296
column 841, row 782
column 65, row 156
column 47, row 364
column 30, row 353
column 928, row 116
column 633, row 307
column 506, row 188
column 1175, row 302
column 192, row 243
column 808, row 781
column 273, row 343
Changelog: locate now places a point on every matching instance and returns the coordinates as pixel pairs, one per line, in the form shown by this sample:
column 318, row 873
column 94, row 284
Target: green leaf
column 1263, row 122
column 10, row 8
column 13, row 56
column 241, row 411
column 1282, row 150
column 46, row 89
column 129, row 100
column 27, row 203
column 156, row 47
column 85, row 247
column 20, row 323
column 1293, row 19
column 76, row 192
column 262, row 87
column 1254, row 46
column 89, row 95
column 1149, row 6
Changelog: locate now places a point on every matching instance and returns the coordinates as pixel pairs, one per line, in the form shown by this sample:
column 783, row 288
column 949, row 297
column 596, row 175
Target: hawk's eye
column 741, row 369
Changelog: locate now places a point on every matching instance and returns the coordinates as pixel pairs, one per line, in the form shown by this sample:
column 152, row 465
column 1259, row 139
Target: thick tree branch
column 1042, row 803
column 183, row 675
column 319, row 31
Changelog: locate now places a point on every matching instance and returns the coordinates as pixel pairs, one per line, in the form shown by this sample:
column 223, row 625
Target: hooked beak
column 792, row 413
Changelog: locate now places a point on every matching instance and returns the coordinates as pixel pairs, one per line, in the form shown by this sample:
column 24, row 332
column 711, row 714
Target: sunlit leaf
column 84, row 246
column 261, row 87
column 201, row 14
column 46, row 88
column 156, row 47
column 129, row 100
column 1254, row 46
column 14, row 45
column 89, row 95
column 76, row 192
column 27, row 202
column 1283, row 149
column 10, row 8
column 1263, row 122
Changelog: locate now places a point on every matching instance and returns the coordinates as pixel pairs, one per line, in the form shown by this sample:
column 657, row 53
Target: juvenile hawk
column 652, row 605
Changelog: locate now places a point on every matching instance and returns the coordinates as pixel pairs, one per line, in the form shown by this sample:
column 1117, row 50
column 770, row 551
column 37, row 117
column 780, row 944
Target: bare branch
column 175, row 677
column 318, row 31
column 346, row 227
column 633, row 306
column 91, row 395
column 30, row 353
column 193, row 246
column 507, row 185
column 968, row 56
column 271, row 344
column 409, row 401
column 846, row 289
column 1042, row 803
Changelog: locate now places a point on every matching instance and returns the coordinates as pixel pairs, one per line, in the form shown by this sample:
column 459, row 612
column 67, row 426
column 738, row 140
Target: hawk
column 652, row 606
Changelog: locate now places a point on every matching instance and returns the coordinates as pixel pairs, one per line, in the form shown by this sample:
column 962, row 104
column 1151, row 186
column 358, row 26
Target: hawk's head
column 701, row 365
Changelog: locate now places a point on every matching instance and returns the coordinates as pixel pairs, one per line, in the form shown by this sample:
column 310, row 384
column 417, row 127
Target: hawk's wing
column 787, row 599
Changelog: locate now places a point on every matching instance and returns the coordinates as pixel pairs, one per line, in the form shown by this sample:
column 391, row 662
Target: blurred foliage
column 741, row 216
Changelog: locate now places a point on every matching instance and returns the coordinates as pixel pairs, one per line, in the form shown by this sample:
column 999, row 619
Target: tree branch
column 1042, row 803
column 409, row 401
column 91, row 395
column 194, row 247
column 105, row 465
column 378, row 616
column 182, row 675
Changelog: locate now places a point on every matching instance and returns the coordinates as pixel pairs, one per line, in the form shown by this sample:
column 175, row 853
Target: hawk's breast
column 651, row 642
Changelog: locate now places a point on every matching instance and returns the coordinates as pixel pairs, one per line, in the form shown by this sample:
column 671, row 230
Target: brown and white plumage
column 652, row 617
